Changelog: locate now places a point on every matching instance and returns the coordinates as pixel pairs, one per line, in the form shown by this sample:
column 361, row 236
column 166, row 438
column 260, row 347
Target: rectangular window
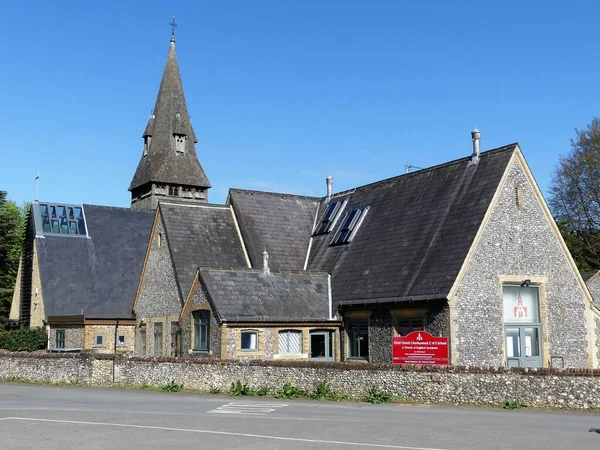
column 143, row 341
column 290, row 342
column 358, row 338
column 99, row 340
column 201, row 330
column 249, row 340
column 349, row 226
column 521, row 304
column 121, row 340
column 175, row 333
column 158, row 339
column 406, row 326
column 60, row 338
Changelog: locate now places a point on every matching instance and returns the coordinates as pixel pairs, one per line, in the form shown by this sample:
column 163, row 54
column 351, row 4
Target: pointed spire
column 169, row 158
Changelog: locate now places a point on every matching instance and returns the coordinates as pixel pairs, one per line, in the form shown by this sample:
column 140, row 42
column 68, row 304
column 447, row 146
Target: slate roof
column 97, row 275
column 416, row 234
column 251, row 295
column 279, row 223
column 201, row 235
column 163, row 164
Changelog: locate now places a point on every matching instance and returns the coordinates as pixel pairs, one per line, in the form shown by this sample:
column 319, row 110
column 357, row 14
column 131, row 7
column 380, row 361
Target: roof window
column 349, row 226
column 62, row 219
column 330, row 217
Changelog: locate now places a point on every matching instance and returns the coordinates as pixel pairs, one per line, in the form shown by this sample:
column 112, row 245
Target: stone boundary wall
column 569, row 388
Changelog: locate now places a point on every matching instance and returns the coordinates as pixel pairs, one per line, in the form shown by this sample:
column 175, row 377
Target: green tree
column 575, row 196
column 12, row 219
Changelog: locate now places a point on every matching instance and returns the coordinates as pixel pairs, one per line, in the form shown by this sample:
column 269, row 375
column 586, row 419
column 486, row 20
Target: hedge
column 24, row 339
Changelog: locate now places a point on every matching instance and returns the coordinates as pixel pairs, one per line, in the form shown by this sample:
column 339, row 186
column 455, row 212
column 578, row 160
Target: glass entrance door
column 321, row 345
column 523, row 347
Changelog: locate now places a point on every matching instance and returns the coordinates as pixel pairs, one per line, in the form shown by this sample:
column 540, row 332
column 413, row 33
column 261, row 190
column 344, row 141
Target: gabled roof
column 251, row 295
column 416, row 234
column 201, row 235
column 163, row 164
column 97, row 275
column 278, row 223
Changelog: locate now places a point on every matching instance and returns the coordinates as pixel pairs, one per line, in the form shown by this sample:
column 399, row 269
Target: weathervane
column 173, row 25
column 37, row 185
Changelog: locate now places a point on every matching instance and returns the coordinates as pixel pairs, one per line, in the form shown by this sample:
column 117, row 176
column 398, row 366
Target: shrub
column 288, row 390
column 324, row 392
column 239, row 389
column 172, row 387
column 214, row 390
column 513, row 404
column 263, row 391
column 24, row 339
column 376, row 395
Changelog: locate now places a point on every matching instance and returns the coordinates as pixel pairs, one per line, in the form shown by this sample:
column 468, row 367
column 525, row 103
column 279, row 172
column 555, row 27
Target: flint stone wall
column 570, row 388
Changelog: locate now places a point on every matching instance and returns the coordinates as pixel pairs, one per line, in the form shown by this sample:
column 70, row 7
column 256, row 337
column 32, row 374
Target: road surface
column 53, row 418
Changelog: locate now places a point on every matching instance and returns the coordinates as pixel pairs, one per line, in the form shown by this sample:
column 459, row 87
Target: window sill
column 357, row 359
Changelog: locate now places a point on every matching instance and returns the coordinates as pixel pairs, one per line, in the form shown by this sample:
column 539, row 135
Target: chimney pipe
column 476, row 137
column 329, row 182
column 266, row 269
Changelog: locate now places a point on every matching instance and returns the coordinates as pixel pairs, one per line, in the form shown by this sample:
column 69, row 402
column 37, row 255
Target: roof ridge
column 273, row 194
column 426, row 169
column 196, row 205
column 118, row 208
column 272, row 271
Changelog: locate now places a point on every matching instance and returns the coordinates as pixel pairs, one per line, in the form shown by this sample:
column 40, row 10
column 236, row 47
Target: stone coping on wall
column 342, row 366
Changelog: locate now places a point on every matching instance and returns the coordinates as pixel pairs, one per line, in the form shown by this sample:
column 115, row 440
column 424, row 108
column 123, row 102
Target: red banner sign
column 420, row 347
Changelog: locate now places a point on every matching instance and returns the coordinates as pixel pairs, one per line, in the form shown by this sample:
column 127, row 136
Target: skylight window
column 330, row 217
column 349, row 226
column 62, row 219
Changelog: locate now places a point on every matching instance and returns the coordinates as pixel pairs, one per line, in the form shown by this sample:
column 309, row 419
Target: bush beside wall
column 24, row 339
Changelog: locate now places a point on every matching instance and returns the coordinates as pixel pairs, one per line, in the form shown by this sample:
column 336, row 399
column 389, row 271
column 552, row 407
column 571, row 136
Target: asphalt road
column 48, row 417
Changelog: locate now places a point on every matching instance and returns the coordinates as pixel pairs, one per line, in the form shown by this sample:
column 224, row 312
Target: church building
column 465, row 251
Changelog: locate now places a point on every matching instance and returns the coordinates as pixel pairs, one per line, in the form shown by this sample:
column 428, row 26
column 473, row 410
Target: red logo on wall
column 519, row 311
column 420, row 347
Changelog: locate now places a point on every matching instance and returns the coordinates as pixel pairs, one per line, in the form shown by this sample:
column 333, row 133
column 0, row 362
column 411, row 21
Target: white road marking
column 224, row 433
column 253, row 408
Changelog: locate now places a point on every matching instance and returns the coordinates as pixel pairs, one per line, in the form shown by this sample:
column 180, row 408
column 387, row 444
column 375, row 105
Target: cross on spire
column 173, row 25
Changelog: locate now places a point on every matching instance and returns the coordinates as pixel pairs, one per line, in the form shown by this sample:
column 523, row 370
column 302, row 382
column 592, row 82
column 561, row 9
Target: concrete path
column 47, row 417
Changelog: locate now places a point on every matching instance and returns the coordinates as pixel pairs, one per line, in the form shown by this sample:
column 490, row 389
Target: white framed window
column 249, row 340
column 121, row 340
column 99, row 340
column 290, row 342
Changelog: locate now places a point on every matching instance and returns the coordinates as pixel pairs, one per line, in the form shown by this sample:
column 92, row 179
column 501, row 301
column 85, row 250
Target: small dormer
column 147, row 141
column 179, row 134
column 148, row 134
column 180, row 142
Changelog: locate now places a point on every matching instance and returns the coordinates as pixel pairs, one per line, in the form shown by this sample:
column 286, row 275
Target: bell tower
column 169, row 168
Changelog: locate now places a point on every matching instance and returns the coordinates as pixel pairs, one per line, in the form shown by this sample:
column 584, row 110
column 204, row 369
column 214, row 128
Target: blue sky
column 284, row 93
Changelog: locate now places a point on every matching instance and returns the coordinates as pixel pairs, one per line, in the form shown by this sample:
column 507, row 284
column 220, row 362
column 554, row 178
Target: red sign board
column 420, row 347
